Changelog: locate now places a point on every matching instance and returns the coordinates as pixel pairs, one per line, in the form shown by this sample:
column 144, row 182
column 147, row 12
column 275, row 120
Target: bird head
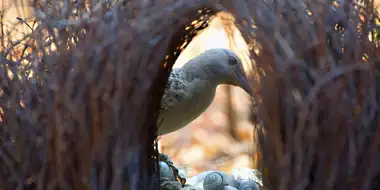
column 226, row 67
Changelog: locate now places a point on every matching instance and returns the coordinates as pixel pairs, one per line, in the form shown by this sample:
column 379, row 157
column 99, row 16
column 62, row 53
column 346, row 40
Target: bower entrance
column 221, row 138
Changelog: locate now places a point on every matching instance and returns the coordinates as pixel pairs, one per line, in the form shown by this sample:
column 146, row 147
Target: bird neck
column 202, row 71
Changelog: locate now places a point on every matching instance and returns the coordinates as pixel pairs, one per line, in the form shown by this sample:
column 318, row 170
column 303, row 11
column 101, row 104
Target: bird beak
column 244, row 83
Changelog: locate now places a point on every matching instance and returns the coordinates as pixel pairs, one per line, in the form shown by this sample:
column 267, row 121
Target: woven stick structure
column 80, row 94
column 318, row 65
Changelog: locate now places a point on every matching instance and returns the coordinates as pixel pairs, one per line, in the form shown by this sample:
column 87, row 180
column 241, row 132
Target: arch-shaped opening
column 188, row 147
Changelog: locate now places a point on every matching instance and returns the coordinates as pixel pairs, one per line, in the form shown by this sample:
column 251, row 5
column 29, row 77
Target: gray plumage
column 191, row 89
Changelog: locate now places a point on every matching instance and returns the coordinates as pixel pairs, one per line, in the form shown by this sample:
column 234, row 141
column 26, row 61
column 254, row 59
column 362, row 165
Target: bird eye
column 232, row 61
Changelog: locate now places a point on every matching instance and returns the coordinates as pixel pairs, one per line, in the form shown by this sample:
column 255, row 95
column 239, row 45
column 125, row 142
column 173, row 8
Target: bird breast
column 198, row 98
